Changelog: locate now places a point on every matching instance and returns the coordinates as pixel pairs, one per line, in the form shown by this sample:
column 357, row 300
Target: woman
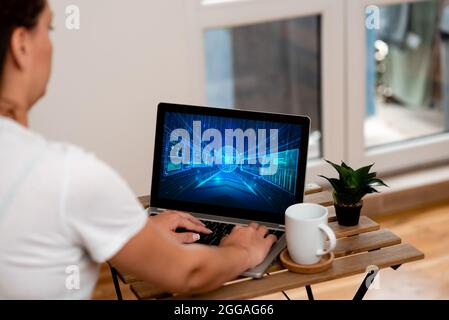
column 61, row 207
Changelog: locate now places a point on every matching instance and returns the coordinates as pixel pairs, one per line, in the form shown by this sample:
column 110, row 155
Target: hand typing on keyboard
column 182, row 226
column 220, row 230
column 255, row 239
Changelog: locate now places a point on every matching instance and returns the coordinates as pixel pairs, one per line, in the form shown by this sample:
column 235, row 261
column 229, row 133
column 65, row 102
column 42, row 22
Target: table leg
column 285, row 295
column 366, row 283
column 309, row 293
column 118, row 292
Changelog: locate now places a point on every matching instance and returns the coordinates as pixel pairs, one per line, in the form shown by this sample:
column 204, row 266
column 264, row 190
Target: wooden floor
column 426, row 228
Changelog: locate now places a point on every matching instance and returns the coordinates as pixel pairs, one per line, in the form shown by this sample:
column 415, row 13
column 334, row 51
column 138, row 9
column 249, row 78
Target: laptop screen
column 248, row 164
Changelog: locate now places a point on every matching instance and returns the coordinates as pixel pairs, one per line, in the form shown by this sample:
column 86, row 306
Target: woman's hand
column 171, row 220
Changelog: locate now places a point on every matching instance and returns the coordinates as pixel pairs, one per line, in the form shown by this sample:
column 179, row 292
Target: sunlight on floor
column 394, row 123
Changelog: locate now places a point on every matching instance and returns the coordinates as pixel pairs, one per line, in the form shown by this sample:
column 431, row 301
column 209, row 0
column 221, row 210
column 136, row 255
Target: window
column 272, row 66
column 407, row 74
column 396, row 84
column 374, row 95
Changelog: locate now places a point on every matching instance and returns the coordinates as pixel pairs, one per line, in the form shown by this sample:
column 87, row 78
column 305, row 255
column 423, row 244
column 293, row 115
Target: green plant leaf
column 344, row 165
column 343, row 172
column 371, row 175
column 364, row 170
column 336, row 184
column 362, row 175
column 378, row 182
column 353, row 185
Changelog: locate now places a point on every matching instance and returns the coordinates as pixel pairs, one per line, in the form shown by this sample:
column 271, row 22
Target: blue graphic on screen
column 248, row 164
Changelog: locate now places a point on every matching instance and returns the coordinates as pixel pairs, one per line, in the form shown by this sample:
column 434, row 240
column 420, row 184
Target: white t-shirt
column 62, row 212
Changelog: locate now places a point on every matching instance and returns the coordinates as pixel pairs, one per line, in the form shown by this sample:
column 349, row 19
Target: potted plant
column 349, row 189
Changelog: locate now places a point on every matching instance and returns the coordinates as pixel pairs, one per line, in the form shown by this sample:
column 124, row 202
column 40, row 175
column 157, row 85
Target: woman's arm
column 155, row 256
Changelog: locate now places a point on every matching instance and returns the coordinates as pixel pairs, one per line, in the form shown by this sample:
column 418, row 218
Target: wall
column 109, row 76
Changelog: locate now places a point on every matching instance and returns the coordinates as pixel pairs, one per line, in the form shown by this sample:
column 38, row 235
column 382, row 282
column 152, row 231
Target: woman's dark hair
column 14, row 14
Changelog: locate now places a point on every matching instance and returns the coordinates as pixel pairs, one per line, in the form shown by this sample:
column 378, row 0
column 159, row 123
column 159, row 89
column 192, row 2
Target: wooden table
column 365, row 248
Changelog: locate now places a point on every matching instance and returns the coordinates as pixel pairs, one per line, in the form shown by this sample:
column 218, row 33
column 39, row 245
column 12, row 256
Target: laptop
column 229, row 167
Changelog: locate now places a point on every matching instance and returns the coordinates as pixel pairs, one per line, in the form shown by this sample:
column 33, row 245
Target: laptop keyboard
column 220, row 229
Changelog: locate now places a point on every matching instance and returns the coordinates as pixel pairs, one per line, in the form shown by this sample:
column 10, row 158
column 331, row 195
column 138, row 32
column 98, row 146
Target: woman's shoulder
column 19, row 138
column 85, row 167
column 79, row 160
column 58, row 157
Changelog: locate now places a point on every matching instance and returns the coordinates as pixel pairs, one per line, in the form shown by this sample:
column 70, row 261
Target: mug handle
column 332, row 239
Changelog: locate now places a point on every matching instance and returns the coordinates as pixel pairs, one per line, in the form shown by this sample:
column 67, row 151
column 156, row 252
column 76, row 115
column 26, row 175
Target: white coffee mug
column 306, row 231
